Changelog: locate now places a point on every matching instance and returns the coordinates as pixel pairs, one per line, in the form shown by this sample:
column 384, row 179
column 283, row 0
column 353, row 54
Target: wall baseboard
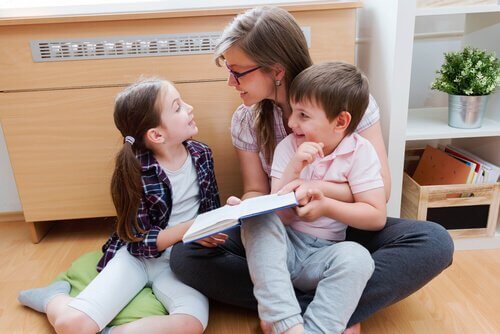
column 10, row 217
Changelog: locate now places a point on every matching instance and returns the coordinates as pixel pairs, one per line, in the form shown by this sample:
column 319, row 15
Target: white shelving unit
column 431, row 123
column 386, row 35
column 429, row 11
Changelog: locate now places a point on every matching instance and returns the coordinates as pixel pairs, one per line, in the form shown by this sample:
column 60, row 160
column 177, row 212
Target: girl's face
column 177, row 118
column 253, row 87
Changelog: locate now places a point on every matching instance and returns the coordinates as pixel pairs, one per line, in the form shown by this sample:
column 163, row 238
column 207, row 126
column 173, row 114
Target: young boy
column 328, row 101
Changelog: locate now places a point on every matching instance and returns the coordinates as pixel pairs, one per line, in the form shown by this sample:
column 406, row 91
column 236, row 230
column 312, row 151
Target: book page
column 268, row 203
column 227, row 212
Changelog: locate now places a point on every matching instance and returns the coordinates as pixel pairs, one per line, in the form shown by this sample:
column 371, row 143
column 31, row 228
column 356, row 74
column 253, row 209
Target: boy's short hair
column 335, row 87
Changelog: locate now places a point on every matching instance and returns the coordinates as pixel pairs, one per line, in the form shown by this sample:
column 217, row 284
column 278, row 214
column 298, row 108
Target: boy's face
column 309, row 123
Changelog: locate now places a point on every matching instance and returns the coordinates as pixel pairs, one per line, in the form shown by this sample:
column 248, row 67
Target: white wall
column 428, row 55
column 9, row 199
column 384, row 53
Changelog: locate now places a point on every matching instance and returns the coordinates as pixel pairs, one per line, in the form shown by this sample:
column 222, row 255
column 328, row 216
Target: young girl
column 264, row 49
column 161, row 181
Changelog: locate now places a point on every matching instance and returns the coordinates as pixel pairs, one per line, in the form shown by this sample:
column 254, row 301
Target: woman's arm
column 374, row 135
column 255, row 180
column 339, row 191
column 368, row 212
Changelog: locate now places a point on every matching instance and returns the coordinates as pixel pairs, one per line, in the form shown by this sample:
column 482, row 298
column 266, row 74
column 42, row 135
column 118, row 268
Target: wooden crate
column 417, row 199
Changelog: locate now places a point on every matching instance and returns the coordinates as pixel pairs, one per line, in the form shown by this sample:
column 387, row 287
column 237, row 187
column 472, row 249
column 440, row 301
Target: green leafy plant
column 468, row 72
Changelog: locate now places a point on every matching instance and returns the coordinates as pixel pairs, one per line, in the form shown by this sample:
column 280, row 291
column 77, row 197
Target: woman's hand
column 213, row 240
column 233, row 200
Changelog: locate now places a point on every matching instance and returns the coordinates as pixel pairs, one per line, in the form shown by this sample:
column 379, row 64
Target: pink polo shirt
column 245, row 139
column 354, row 161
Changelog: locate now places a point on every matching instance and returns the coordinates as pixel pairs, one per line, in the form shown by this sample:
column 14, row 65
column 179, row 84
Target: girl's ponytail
column 126, row 191
column 137, row 109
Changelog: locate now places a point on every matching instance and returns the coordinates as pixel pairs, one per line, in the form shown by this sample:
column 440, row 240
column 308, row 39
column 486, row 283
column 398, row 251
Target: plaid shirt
column 156, row 203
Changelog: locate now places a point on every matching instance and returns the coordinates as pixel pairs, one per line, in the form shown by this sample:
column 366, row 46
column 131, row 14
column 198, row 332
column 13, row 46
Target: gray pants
column 280, row 259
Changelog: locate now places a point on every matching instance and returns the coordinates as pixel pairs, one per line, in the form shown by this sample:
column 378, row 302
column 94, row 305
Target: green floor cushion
column 83, row 270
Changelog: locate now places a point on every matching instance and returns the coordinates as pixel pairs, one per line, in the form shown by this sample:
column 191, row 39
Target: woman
column 263, row 50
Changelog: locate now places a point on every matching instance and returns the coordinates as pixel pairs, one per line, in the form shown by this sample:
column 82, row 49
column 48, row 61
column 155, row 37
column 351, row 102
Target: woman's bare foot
column 266, row 327
column 354, row 329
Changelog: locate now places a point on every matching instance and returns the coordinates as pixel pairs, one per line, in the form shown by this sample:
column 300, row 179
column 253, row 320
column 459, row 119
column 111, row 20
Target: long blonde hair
column 270, row 36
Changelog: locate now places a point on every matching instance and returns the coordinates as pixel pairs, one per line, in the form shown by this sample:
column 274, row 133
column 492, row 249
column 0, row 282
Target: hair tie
column 130, row 140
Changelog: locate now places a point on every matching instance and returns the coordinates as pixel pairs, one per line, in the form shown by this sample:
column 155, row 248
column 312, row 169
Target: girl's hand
column 213, row 240
column 306, row 154
column 315, row 207
column 233, row 200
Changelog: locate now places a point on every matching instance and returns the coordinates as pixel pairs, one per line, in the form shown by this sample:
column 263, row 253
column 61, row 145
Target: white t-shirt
column 185, row 193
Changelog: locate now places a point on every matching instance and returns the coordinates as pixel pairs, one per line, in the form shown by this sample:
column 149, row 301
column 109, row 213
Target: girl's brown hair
column 270, row 36
column 137, row 109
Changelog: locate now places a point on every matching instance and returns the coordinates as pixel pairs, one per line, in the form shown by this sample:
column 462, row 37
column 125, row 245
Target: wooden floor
column 463, row 299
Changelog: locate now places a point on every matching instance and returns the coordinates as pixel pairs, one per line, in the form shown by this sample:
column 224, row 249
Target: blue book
column 229, row 216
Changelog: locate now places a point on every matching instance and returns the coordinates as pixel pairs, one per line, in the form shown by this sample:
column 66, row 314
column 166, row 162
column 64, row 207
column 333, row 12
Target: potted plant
column 468, row 76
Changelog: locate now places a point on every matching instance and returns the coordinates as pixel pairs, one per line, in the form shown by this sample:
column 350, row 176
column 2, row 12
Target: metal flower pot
column 466, row 112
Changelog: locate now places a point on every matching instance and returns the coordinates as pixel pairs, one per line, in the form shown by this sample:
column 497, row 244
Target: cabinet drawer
column 62, row 145
column 332, row 38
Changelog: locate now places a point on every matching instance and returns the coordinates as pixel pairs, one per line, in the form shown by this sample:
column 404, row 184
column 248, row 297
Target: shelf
column 432, row 123
column 447, row 10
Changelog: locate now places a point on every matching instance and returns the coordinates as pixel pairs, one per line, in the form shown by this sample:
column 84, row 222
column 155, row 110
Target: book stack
column 453, row 165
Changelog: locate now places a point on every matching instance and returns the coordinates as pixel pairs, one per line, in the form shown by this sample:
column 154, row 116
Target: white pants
column 124, row 276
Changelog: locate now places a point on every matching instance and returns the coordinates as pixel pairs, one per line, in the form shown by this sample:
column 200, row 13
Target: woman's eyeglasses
column 237, row 75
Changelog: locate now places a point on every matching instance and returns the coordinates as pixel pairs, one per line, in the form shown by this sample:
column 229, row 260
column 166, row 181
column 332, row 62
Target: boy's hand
column 315, row 207
column 306, row 154
column 301, row 188
column 213, row 240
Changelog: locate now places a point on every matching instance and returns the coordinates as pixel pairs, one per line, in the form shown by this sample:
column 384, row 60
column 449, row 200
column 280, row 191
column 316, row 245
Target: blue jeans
column 407, row 255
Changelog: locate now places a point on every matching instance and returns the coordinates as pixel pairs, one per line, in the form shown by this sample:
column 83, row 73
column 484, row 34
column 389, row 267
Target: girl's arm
column 255, row 180
column 172, row 235
column 374, row 135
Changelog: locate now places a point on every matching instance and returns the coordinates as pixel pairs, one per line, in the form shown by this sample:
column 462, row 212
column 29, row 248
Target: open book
column 228, row 216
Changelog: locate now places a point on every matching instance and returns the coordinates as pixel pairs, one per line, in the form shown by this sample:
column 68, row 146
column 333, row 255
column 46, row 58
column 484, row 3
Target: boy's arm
column 287, row 176
column 368, row 212
column 306, row 153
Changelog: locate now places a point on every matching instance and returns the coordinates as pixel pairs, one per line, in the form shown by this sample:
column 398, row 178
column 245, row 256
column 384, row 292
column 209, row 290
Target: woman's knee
column 438, row 243
column 75, row 321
